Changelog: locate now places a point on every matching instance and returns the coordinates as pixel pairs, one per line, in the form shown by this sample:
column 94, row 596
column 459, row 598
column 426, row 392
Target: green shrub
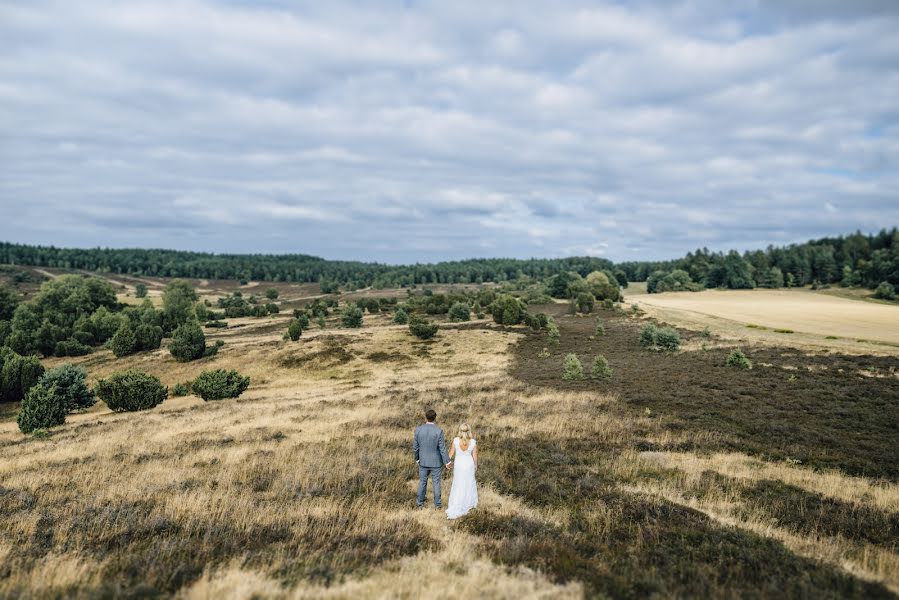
column 544, row 353
column 219, row 384
column 601, row 369
column 668, row 339
column 294, row 330
column 271, row 293
column 214, row 349
column 188, row 342
column 72, row 348
column 885, row 291
column 648, row 335
column 459, row 311
column 585, row 302
column 421, row 328
column 148, row 337
column 401, row 317
column 608, row 304
column 131, row 390
column 508, row 310
column 271, row 309
column 706, row 333
column 140, row 290
column 70, row 382
column 542, row 319
column 124, row 342
column 600, row 328
column 17, row 374
column 351, row 316
column 302, row 318
column 181, row 389
column 321, row 322
column 552, row 332
column 737, row 359
column 42, row 407
column 216, row 324
column 572, row 369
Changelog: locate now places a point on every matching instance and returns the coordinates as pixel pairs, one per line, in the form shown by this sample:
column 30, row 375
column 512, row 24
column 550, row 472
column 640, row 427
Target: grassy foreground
column 303, row 487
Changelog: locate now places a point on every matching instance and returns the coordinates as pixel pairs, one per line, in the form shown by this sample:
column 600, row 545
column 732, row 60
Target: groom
column 430, row 454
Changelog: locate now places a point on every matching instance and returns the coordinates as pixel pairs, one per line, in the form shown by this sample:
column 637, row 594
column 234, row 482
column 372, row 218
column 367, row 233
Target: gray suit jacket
column 429, row 446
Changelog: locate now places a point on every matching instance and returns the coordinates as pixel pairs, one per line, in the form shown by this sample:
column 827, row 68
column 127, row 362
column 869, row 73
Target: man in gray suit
column 430, row 454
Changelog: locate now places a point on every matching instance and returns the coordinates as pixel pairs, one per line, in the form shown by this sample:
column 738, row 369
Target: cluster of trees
column 236, row 306
column 850, row 261
column 290, row 267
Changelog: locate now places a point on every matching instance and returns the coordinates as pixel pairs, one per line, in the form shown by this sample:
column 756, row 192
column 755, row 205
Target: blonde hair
column 464, row 433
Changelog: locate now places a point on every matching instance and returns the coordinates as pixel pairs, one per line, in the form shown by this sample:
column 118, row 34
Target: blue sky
column 422, row 131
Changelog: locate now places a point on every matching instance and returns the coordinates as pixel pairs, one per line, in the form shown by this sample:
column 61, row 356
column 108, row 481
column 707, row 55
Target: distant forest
column 852, row 260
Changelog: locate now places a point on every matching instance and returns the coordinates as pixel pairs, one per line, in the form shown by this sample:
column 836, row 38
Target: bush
column 216, row 324
column 706, row 333
column 148, row 337
column 552, row 331
column 131, row 391
column 17, row 374
column 140, row 290
column 214, row 349
column 585, row 302
column 219, row 384
column 71, row 386
column 601, row 369
column 124, row 342
column 737, row 359
column 668, row 339
column 401, row 317
column 320, row 322
column 573, row 369
column 42, row 407
column 271, row 309
column 188, row 342
column 608, row 304
column 648, row 335
column 72, row 348
column 885, row 291
column 294, row 330
column 542, row 319
column 271, row 293
column 302, row 318
column 508, row 310
column 422, row 329
column 459, row 312
column 181, row 389
column 351, row 316
column 600, row 328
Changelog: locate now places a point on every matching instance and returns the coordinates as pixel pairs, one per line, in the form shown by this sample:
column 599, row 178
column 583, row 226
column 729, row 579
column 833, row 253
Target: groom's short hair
column 430, row 415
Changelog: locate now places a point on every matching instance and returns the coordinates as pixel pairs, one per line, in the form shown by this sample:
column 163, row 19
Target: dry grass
column 857, row 326
column 303, row 487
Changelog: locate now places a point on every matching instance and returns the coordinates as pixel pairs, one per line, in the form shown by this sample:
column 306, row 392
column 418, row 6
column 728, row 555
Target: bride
column 464, row 492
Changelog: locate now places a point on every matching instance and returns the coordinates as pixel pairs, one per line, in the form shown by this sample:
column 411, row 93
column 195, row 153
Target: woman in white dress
column 464, row 492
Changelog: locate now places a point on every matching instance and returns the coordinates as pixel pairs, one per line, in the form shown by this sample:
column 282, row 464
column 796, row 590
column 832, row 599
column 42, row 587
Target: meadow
column 678, row 476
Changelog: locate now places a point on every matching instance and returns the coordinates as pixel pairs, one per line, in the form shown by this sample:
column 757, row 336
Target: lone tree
column 421, row 328
column 271, row 293
column 131, row 391
column 459, row 311
column 600, row 369
column 140, row 290
column 188, row 342
column 42, row 407
column 573, row 369
column 401, row 317
column 294, row 330
column 351, row 316
column 219, row 384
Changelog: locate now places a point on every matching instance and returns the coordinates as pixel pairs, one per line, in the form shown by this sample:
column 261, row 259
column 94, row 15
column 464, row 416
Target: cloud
column 423, row 131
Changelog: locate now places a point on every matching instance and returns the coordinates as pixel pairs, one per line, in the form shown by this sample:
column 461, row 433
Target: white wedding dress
column 464, row 493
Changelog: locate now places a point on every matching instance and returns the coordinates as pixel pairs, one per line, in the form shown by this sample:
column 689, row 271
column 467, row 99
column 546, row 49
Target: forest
column 865, row 260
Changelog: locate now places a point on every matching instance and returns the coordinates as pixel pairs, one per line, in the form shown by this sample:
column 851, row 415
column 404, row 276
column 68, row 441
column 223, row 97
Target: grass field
column 815, row 318
column 676, row 477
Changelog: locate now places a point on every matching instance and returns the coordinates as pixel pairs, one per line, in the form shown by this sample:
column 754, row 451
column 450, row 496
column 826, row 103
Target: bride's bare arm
column 474, row 455
column 452, row 451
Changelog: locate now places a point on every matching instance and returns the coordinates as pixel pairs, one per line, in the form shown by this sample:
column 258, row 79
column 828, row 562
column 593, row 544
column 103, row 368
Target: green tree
column 188, row 342
column 140, row 290
column 552, row 332
column 9, row 300
column 585, row 302
column 508, row 310
column 600, row 369
column 177, row 304
column 271, row 293
column 42, row 407
column 600, row 329
column 400, row 317
column 294, row 330
column 71, row 384
column 885, row 291
column 124, row 342
column 219, row 384
column 422, row 328
column 459, row 311
column 17, row 374
column 572, row 368
column 737, row 359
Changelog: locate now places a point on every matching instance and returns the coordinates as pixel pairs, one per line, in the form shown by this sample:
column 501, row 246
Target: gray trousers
column 435, row 473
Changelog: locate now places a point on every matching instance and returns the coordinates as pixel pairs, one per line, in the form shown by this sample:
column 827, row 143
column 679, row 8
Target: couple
column 429, row 447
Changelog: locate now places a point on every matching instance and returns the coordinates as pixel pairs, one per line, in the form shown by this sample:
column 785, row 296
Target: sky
column 422, row 131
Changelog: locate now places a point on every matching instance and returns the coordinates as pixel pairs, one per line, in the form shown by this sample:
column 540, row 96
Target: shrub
column 216, row 324
column 219, row 384
column 302, row 318
column 573, row 369
column 214, row 349
column 71, row 386
column 552, row 331
column 148, row 337
column 401, row 317
column 542, row 319
column 648, row 335
column 885, row 291
column 131, row 390
column 459, row 312
column 188, row 342
column 124, row 342
column 320, row 322
column 140, row 290
column 17, row 374
column 737, row 359
column 352, row 316
column 271, row 309
column 294, row 330
column 271, row 293
column 42, row 407
column 608, row 304
column 667, row 339
column 706, row 333
column 422, row 329
column 600, row 328
column 585, row 302
column 72, row 348
column 601, row 369
column 508, row 310
column 181, row 389
column 544, row 353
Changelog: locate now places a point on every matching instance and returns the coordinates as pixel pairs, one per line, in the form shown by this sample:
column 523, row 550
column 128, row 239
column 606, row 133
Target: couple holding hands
column 431, row 456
